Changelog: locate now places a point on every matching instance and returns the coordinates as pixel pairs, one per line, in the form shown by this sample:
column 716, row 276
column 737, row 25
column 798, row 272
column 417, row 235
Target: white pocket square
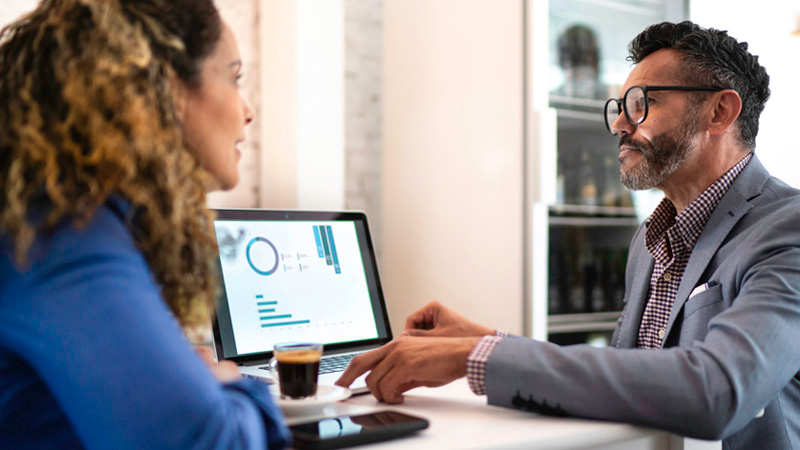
column 702, row 288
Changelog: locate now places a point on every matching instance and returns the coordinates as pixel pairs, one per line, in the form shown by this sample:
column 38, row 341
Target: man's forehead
column 661, row 67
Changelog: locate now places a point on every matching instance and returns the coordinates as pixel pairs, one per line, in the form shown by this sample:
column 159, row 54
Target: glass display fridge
column 583, row 214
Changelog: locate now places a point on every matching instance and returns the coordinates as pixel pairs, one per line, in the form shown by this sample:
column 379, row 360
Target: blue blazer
column 730, row 364
column 90, row 356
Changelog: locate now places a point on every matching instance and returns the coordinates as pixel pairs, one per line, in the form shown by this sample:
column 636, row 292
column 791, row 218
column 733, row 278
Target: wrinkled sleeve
column 708, row 389
column 91, row 322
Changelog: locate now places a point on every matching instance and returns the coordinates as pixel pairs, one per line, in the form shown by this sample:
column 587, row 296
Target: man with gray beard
column 706, row 344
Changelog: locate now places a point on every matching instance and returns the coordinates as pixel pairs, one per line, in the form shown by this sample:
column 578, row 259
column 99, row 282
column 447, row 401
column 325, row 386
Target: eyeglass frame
column 645, row 89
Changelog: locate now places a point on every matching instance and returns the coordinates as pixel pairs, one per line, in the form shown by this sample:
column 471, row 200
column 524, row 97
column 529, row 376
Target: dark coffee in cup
column 297, row 372
column 296, row 365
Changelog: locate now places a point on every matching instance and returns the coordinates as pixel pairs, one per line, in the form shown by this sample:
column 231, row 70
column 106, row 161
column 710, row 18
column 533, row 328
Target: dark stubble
column 661, row 156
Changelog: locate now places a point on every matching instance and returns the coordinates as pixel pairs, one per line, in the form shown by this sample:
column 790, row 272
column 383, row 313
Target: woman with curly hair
column 116, row 118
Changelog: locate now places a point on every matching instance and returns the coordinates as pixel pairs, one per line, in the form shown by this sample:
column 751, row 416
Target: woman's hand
column 224, row 371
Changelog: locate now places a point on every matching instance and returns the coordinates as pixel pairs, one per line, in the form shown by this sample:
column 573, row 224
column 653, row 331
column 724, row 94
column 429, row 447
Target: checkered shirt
column 477, row 360
column 670, row 238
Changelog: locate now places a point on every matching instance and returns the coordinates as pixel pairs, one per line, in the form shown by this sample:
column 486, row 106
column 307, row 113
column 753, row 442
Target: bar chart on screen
column 269, row 318
column 326, row 246
column 305, row 279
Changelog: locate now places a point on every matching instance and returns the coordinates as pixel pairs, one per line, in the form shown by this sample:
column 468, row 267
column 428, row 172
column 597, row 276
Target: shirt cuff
column 478, row 359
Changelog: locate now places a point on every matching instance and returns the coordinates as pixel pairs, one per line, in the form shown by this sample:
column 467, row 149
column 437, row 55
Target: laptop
column 293, row 276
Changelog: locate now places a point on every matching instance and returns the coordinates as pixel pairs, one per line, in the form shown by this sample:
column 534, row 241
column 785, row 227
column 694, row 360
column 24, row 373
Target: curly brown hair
column 87, row 112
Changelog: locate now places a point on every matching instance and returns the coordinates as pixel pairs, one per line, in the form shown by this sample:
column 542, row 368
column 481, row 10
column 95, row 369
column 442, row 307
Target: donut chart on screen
column 261, row 271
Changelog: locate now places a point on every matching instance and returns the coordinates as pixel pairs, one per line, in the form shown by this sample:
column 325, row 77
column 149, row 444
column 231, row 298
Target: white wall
column 320, row 104
column 302, row 103
column 10, row 10
column 452, row 161
column 277, row 104
column 766, row 26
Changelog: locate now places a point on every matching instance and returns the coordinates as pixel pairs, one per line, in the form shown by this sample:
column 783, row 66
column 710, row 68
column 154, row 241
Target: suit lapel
column 637, row 299
column 731, row 208
column 725, row 216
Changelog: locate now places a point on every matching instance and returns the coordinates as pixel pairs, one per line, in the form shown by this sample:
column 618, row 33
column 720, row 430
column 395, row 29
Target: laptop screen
column 296, row 276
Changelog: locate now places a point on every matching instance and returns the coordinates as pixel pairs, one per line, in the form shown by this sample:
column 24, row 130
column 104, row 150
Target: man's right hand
column 434, row 319
column 409, row 362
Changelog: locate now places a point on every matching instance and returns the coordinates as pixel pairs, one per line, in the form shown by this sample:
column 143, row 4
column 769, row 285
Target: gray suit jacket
column 729, row 352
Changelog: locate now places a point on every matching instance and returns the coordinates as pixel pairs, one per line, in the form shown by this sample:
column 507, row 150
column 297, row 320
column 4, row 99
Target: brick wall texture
column 363, row 69
column 362, row 89
column 242, row 16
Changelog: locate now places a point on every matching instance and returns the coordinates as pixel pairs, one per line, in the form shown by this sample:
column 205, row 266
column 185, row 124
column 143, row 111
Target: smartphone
column 344, row 431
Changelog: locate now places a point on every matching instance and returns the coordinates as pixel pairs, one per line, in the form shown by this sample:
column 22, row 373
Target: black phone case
column 383, row 433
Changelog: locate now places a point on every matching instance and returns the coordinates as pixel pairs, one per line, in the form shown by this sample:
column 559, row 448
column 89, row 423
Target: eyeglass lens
column 612, row 112
column 635, row 105
column 635, row 108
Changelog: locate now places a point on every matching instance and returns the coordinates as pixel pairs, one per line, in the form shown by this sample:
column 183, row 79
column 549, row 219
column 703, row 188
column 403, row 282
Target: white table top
column 460, row 419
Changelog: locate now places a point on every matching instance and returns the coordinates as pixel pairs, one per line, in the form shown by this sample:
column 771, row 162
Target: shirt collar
column 690, row 222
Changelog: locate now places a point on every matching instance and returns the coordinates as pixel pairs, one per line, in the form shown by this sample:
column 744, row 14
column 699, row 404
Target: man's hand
column 409, row 362
column 224, row 371
column 434, row 319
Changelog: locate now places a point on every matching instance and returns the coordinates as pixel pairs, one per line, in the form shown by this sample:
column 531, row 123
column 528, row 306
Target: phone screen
column 342, row 431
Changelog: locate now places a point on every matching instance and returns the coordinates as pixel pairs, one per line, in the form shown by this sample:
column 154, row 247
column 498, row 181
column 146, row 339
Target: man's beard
column 661, row 157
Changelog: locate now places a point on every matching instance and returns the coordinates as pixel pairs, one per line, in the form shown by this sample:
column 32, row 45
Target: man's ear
column 727, row 106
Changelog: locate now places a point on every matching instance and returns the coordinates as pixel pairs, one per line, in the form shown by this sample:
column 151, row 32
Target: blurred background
column 470, row 132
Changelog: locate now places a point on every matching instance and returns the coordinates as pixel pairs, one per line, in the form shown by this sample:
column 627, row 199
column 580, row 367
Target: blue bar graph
column 281, row 316
column 279, row 324
column 333, row 249
column 319, row 242
column 325, row 246
column 270, row 318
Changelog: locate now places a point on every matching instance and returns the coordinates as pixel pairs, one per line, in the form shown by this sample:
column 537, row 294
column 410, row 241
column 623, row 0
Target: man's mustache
column 628, row 141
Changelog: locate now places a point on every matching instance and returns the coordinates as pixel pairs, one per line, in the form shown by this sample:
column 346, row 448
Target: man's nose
column 621, row 126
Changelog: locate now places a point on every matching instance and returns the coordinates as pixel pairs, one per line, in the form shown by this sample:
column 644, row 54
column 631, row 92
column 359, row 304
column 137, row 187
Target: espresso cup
column 296, row 366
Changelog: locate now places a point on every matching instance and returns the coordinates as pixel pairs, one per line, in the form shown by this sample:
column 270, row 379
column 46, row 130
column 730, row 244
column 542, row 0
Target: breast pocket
column 707, row 304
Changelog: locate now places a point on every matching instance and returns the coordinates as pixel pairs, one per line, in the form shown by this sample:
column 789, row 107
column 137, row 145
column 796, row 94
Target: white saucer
column 312, row 405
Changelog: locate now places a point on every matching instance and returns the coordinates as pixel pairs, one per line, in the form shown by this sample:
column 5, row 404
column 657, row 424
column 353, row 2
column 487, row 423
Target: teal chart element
column 268, row 307
column 326, row 247
column 250, row 261
column 334, row 255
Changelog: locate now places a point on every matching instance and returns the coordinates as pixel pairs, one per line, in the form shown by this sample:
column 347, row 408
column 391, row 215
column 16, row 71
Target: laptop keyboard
column 337, row 363
column 329, row 364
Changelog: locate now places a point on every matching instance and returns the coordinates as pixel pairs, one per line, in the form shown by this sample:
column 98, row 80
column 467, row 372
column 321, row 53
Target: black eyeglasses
column 636, row 103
